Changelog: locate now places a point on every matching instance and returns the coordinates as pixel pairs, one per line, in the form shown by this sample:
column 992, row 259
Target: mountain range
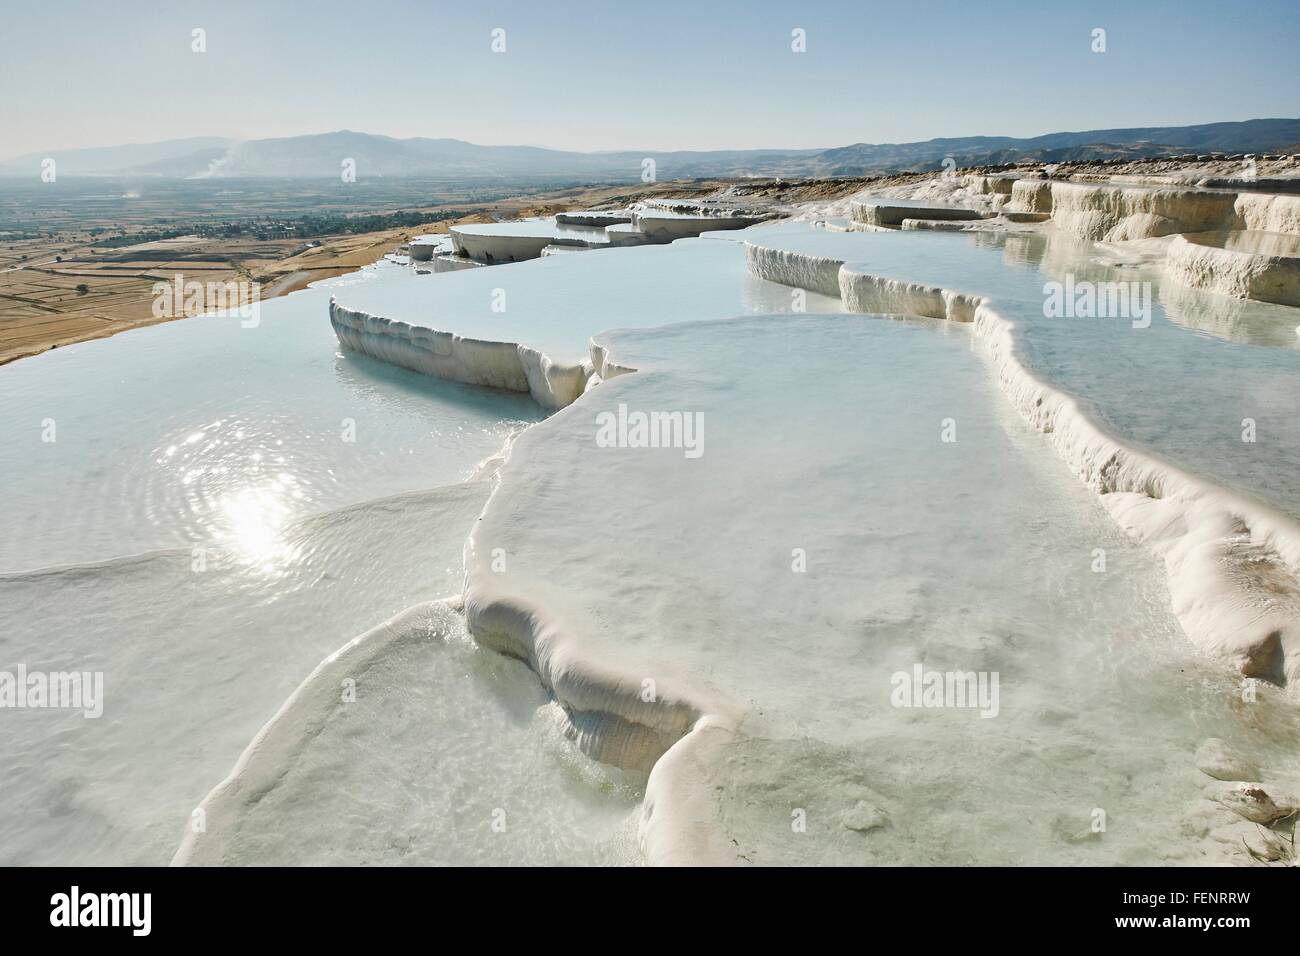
column 323, row 155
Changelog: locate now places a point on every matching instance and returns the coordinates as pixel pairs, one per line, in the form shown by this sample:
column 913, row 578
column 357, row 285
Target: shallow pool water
column 557, row 303
column 196, row 655
column 864, row 503
column 536, row 227
column 206, row 433
column 228, row 506
column 1172, row 386
column 448, row 754
column 222, row 508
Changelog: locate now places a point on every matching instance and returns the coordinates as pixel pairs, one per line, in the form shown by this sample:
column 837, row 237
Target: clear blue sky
column 626, row 74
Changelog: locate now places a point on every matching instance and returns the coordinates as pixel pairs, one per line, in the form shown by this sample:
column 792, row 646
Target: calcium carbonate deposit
column 953, row 527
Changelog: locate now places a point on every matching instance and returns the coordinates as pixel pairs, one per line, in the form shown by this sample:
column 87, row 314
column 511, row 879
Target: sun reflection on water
column 252, row 523
column 237, row 493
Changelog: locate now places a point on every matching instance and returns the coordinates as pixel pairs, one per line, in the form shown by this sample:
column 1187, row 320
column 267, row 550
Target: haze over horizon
column 644, row 148
column 878, row 75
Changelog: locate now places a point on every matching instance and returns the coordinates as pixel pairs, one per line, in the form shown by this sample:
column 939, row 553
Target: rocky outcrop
column 891, row 213
column 1233, row 563
column 1113, row 213
column 507, row 365
column 1226, row 271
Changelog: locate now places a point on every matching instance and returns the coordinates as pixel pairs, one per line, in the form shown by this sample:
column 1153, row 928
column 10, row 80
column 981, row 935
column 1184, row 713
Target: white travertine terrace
column 595, row 217
column 720, row 207
column 1121, row 211
column 998, row 185
column 1117, row 212
column 1031, row 195
column 669, row 227
column 706, row 609
column 1242, row 272
column 449, row 262
column 1233, row 562
column 892, row 212
column 424, row 248
column 538, row 344
column 507, row 365
column 493, row 249
column 422, row 664
column 1113, row 213
column 1220, row 614
column 482, row 244
column 653, row 221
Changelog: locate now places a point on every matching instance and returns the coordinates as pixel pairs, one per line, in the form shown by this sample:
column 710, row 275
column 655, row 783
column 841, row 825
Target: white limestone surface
column 1245, row 265
column 666, row 227
column 499, row 242
column 197, row 651
column 525, row 327
column 1233, row 561
column 449, row 262
column 738, row 617
column 221, row 430
column 1031, row 195
column 1267, row 212
column 413, row 746
column 424, row 248
column 1113, row 211
column 1101, row 211
column 593, row 217
column 1130, row 372
column 882, row 211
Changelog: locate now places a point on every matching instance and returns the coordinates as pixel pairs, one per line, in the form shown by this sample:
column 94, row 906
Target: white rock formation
column 507, row 365
column 702, row 655
column 1112, row 213
column 593, row 217
column 1031, row 195
column 1233, row 562
column 483, row 246
column 1240, row 274
column 879, row 211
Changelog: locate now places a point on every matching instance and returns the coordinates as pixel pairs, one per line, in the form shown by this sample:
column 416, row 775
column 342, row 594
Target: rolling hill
column 322, row 155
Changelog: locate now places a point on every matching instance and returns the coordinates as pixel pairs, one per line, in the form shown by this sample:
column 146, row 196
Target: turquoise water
column 220, row 508
column 195, row 659
column 216, row 534
column 1180, row 387
column 450, row 755
column 827, row 537
column 537, row 227
column 273, row 452
column 203, row 432
column 556, row 304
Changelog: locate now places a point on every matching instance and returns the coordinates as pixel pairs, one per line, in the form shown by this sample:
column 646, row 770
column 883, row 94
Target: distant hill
column 322, row 155
column 1261, row 135
column 109, row 160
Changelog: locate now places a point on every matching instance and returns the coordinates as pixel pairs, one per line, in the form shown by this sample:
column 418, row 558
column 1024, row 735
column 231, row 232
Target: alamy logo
column 1098, row 300
column 952, row 689
column 103, row 909
column 626, row 429
column 56, row 690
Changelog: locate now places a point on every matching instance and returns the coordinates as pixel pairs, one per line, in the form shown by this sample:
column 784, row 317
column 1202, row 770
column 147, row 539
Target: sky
column 621, row 74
